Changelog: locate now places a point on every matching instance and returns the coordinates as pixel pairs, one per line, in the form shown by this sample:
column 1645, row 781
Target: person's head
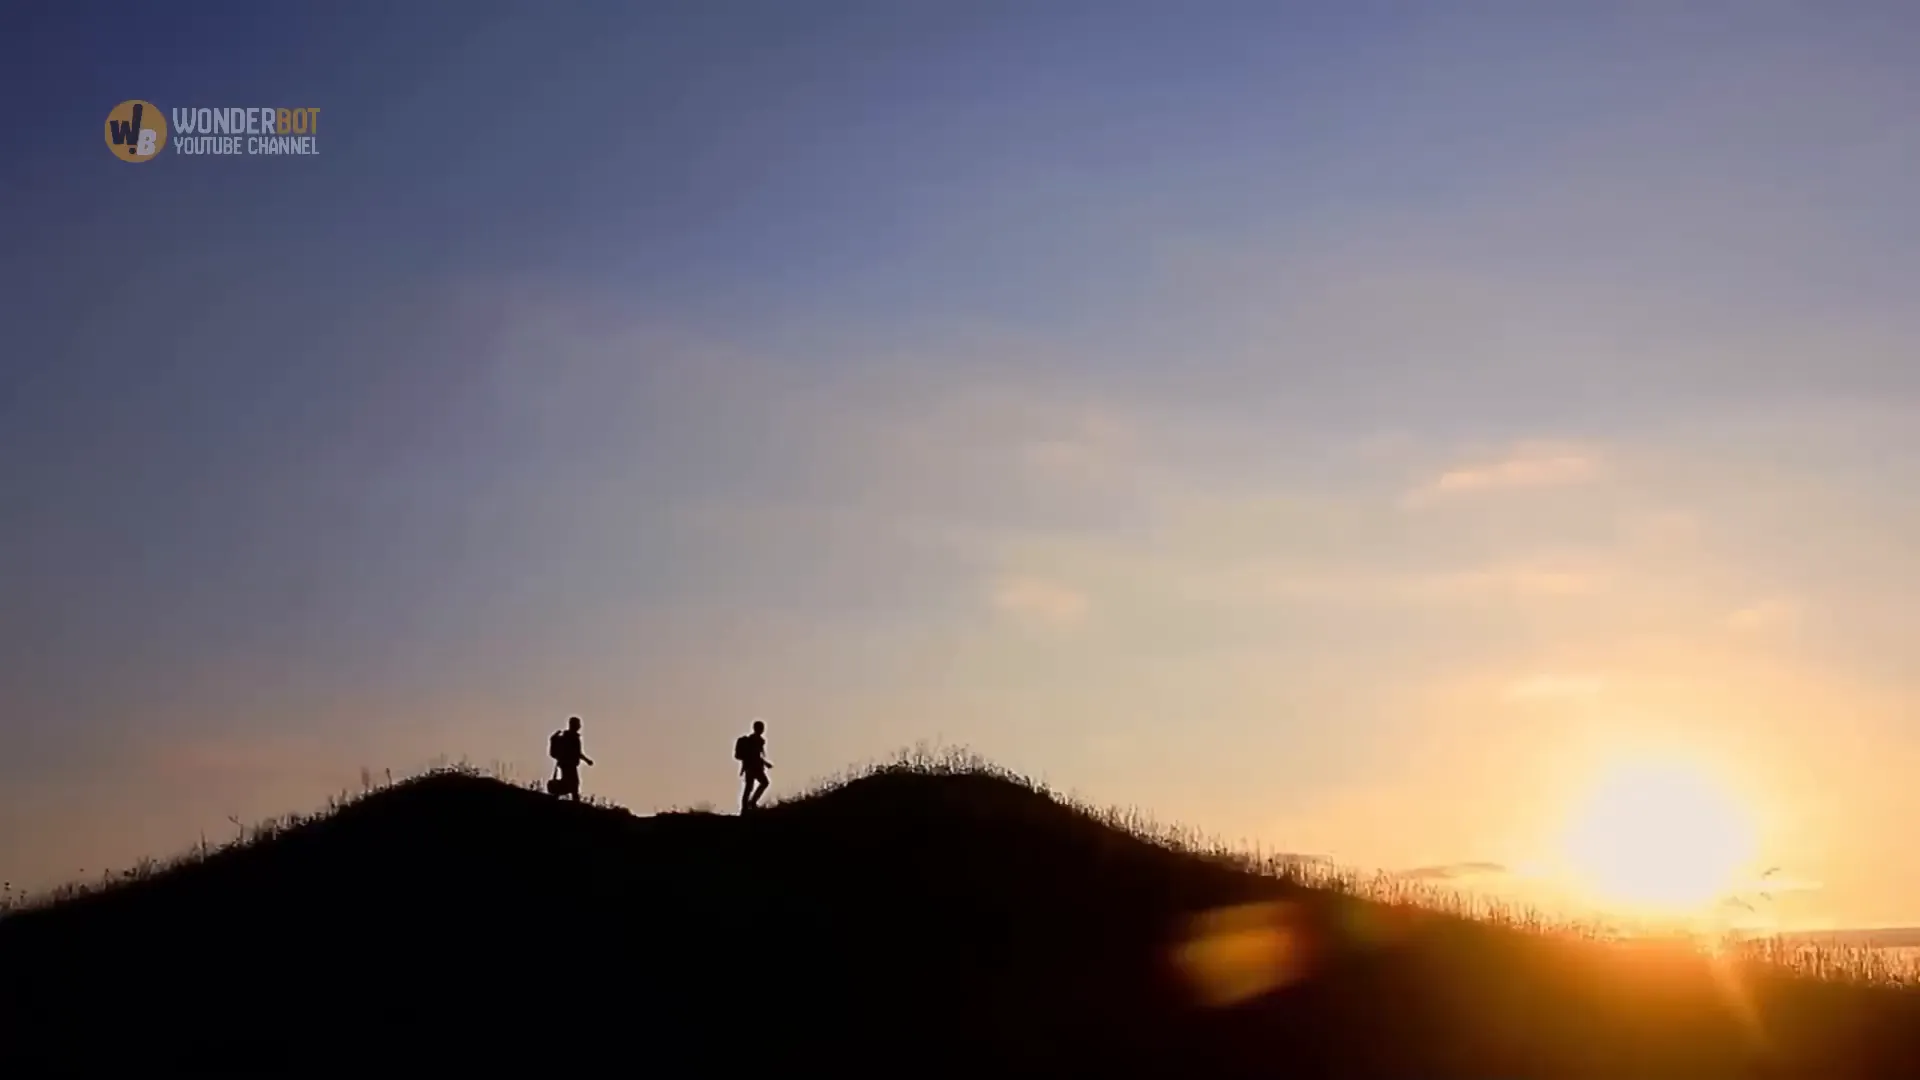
column 759, row 727
column 573, row 723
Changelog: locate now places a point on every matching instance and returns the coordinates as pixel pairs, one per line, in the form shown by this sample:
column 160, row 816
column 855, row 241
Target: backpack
column 743, row 749
column 557, row 746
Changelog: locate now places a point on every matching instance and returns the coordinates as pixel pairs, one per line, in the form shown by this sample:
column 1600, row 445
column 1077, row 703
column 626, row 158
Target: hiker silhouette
column 564, row 748
column 751, row 752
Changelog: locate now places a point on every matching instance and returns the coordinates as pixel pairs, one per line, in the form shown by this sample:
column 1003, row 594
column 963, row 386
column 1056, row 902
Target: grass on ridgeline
column 1817, row 960
column 933, row 912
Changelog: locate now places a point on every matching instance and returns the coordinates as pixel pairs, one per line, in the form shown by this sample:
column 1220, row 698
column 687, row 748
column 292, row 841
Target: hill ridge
column 904, row 908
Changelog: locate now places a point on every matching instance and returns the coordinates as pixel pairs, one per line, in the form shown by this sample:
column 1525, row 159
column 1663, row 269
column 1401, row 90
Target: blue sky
column 1339, row 425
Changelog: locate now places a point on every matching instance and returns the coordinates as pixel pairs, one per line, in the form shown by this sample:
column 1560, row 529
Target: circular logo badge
column 136, row 131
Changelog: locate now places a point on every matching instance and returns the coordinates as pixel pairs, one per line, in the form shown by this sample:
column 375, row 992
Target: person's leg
column 759, row 788
column 746, row 794
column 570, row 777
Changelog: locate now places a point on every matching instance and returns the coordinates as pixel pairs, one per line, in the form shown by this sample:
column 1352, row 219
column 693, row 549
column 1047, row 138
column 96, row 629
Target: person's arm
column 586, row 759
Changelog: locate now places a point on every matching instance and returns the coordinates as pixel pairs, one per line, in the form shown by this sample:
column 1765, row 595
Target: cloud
column 1527, row 465
column 1519, row 580
column 250, row 757
column 1554, row 687
column 1763, row 616
column 1039, row 602
column 1383, row 446
column 251, row 754
column 1453, row 871
column 1089, row 443
column 1360, row 586
column 1662, row 530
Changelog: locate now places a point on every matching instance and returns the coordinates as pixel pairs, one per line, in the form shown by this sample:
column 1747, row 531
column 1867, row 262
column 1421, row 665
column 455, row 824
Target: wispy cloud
column 1039, row 602
column 1526, row 465
column 1550, row 686
column 1453, row 871
column 1088, row 445
column 1531, row 580
column 1526, row 581
column 253, row 756
column 1763, row 616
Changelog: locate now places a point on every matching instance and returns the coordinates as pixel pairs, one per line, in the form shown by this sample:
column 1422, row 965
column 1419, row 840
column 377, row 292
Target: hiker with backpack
column 751, row 752
column 564, row 748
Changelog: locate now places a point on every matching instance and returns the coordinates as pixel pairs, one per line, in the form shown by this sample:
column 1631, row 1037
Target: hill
column 928, row 922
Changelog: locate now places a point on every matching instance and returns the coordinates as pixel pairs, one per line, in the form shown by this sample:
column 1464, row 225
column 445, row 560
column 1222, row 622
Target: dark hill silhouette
column 901, row 923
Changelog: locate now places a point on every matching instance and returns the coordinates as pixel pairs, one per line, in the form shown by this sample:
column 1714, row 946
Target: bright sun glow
column 1659, row 838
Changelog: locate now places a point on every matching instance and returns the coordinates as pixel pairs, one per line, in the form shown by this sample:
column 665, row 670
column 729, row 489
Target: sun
column 1659, row 837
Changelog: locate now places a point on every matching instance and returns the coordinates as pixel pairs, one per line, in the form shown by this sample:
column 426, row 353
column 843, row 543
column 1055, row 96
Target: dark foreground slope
column 903, row 924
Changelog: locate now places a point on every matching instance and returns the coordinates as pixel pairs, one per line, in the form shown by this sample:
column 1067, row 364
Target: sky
column 1343, row 427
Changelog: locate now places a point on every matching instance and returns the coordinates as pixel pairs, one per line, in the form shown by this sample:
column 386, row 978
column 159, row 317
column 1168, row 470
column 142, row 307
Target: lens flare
column 1233, row 954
